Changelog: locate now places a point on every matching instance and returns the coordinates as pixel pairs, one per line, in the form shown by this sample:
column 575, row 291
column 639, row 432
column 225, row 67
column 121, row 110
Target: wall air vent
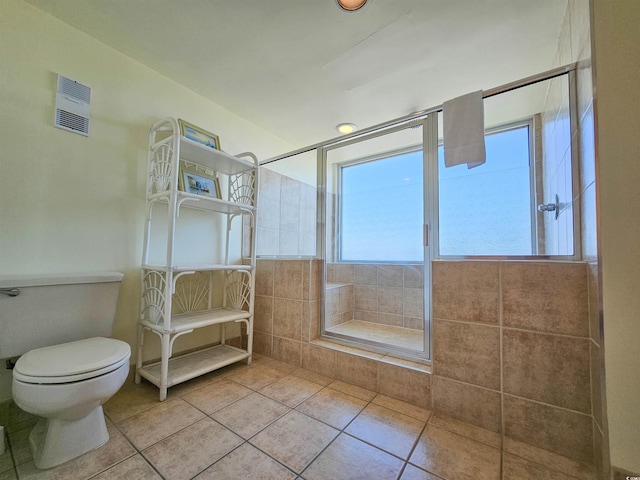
column 73, row 105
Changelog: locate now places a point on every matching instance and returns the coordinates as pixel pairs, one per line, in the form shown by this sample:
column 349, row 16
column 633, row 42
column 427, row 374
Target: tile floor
column 377, row 332
column 272, row 421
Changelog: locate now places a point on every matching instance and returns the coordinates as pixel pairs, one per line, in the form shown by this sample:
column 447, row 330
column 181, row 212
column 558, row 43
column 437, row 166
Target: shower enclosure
column 378, row 207
column 374, row 239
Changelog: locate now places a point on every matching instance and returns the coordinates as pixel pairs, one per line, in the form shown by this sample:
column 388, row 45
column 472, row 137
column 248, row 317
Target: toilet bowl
column 66, row 385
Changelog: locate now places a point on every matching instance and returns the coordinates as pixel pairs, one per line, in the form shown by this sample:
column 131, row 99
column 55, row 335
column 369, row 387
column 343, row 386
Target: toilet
column 68, row 367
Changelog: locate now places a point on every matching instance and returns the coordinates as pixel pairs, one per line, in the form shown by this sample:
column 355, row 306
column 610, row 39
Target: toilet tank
column 53, row 309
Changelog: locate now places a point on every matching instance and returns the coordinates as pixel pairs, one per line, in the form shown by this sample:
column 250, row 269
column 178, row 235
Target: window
column 488, row 210
column 381, row 210
column 380, row 188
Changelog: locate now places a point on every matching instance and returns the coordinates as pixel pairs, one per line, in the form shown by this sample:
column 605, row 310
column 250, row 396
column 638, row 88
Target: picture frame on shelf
column 199, row 182
column 199, row 135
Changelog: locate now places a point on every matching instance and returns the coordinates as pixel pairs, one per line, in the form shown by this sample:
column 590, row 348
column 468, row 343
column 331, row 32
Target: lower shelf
column 191, row 365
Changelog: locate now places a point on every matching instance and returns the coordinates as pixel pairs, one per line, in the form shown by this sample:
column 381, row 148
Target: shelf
column 192, row 365
column 169, row 286
column 201, row 202
column 212, row 158
column 199, row 267
column 193, row 320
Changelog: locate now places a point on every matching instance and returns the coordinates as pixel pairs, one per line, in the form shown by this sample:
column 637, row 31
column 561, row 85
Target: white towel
column 464, row 130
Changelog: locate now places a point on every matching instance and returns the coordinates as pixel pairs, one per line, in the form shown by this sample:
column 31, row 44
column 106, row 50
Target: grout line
column 266, row 426
column 122, row 461
column 246, row 440
column 549, row 466
column 415, row 444
column 261, row 451
column 319, row 453
column 540, row 332
column 508, row 327
column 14, row 463
column 470, row 322
column 466, row 383
column 153, row 467
column 501, row 360
column 340, row 431
column 377, row 447
column 135, row 448
column 461, row 434
column 547, row 404
column 343, row 429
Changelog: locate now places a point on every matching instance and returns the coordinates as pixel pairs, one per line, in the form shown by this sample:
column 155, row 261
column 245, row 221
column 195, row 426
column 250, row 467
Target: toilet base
column 54, row 441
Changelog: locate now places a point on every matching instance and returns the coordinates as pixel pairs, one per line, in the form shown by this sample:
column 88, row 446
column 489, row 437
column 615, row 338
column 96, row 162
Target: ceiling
column 297, row 68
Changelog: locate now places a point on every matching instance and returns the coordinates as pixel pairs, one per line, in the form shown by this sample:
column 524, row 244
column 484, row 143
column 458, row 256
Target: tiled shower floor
column 272, row 421
column 376, row 332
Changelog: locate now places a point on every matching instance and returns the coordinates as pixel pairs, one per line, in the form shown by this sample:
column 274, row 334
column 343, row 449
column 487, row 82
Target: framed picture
column 192, row 180
column 199, row 135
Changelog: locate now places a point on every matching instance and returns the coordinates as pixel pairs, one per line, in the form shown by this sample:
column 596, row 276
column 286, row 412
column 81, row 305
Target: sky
column 483, row 211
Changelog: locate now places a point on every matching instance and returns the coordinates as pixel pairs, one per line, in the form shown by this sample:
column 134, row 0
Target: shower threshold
column 408, row 338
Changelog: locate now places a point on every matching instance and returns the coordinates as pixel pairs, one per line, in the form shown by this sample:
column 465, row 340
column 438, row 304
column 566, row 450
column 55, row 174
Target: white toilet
column 67, row 368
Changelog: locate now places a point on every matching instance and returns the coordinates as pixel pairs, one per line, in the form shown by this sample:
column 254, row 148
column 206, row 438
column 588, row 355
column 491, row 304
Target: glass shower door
column 377, row 264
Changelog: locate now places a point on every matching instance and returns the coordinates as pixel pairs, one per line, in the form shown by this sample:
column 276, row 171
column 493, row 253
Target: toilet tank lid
column 73, row 358
column 41, row 280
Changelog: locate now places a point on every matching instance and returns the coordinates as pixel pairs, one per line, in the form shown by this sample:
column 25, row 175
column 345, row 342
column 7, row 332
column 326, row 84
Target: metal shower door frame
column 429, row 126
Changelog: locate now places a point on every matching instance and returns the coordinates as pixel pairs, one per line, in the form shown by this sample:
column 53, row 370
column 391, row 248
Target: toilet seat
column 71, row 362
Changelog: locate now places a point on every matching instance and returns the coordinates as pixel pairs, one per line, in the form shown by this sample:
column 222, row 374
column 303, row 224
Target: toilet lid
column 74, row 358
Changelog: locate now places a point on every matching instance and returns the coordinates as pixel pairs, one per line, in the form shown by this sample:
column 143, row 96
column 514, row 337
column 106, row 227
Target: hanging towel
column 464, row 130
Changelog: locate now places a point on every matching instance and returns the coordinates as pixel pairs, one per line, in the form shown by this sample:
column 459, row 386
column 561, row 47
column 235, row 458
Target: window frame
column 339, row 212
column 528, row 122
column 428, row 146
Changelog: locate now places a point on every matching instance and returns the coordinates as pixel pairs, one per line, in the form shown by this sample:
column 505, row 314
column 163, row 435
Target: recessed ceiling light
column 351, row 5
column 346, row 128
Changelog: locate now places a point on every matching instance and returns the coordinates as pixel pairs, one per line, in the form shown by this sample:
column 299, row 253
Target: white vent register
column 73, row 106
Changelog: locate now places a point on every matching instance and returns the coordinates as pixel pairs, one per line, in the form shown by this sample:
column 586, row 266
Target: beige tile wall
column 511, row 350
column 284, row 307
column 511, row 353
column 558, row 135
column 557, row 168
column 575, row 46
column 287, row 216
column 287, row 320
column 338, row 304
column 386, row 294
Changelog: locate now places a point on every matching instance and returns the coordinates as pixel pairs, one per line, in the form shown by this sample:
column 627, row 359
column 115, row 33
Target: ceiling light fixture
column 345, row 128
column 351, row 5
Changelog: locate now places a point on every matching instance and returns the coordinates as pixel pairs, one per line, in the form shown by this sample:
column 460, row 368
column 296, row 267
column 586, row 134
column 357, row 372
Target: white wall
column 70, row 203
column 616, row 35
